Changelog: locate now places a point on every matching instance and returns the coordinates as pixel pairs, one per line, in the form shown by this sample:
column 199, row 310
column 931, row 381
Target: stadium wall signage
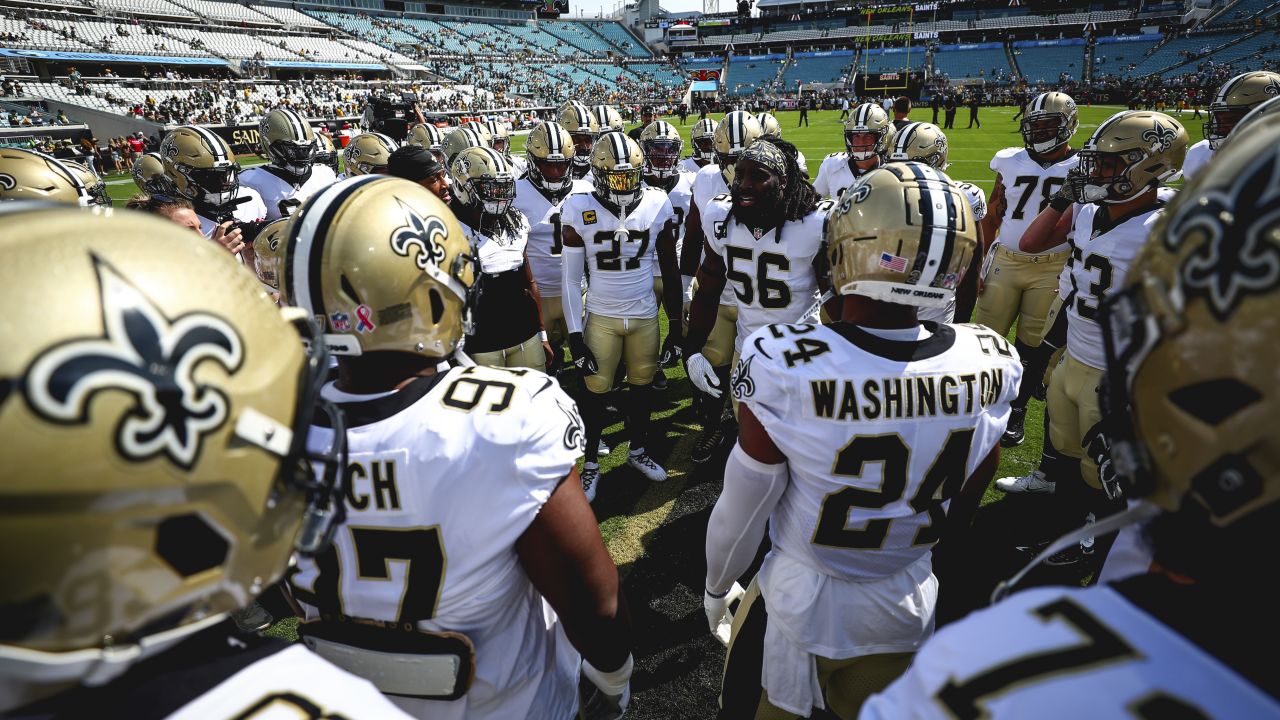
column 107, row 57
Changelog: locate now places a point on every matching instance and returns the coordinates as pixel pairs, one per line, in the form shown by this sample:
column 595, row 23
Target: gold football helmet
column 268, row 250
column 904, row 234
column 608, row 119
column 483, row 176
column 499, row 136
column 157, row 475
column 1191, row 344
column 482, row 129
column 661, row 144
column 286, row 141
column 368, row 154
column 460, row 139
column 616, row 164
column 549, row 149
column 1235, row 99
column 92, row 181
column 200, row 165
column 868, row 132
column 734, row 134
column 1050, row 121
column 426, row 136
column 326, row 151
column 920, row 142
column 149, row 176
column 769, row 125
column 29, row 175
column 583, row 128
column 1131, row 152
column 1259, row 114
column 703, row 139
column 386, row 265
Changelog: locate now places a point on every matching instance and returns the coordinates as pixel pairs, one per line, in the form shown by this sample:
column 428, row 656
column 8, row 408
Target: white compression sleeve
column 751, row 490
column 572, row 259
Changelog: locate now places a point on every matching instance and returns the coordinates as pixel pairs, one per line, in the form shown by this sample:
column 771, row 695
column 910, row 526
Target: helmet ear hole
column 437, row 306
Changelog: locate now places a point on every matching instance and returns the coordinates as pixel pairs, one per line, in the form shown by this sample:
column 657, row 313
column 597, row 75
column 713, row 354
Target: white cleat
column 602, row 448
column 640, row 460
column 1036, row 482
column 590, row 480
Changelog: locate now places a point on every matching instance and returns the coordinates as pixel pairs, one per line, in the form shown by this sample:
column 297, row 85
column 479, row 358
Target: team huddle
column 356, row 416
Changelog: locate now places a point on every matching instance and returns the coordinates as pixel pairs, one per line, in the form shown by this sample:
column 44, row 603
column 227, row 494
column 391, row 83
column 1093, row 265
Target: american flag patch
column 893, row 262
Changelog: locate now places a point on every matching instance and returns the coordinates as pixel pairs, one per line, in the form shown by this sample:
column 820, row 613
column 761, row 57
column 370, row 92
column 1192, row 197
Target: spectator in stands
column 62, row 118
column 901, row 112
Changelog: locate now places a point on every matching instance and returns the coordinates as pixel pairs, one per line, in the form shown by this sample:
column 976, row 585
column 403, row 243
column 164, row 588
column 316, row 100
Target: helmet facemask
column 215, row 187
column 494, row 195
column 582, row 144
column 1044, row 132
column 662, row 157
column 620, row 186
column 294, row 158
column 1221, row 122
column 1104, row 176
column 704, row 148
column 864, row 144
column 539, row 175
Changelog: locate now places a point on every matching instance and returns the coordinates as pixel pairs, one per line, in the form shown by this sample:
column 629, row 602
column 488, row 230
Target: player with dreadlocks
column 764, row 238
column 506, row 324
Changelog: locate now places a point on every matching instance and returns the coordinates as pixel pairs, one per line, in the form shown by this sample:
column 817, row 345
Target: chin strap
column 1139, row 513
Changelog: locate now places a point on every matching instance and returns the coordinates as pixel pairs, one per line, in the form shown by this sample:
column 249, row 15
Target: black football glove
column 1097, row 443
column 671, row 349
column 582, row 355
column 1069, row 193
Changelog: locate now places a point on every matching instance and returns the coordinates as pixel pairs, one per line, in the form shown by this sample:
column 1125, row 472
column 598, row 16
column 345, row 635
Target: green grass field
column 655, row 532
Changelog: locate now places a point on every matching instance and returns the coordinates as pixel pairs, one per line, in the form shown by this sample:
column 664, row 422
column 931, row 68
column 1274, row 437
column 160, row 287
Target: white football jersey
column 273, row 189
column 293, row 682
column 680, row 197
column 1066, row 653
column 1099, row 262
column 544, row 236
column 445, row 475
column 708, row 184
column 1198, row 156
column 619, row 272
column 500, row 254
column 1028, row 188
column 879, row 435
column 245, row 212
column 772, row 279
column 835, row 175
column 689, row 165
column 519, row 164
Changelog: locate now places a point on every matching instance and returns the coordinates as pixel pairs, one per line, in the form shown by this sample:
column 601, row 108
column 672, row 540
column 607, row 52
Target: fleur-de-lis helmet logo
column 1160, row 136
column 145, row 354
column 1239, row 256
column 426, row 234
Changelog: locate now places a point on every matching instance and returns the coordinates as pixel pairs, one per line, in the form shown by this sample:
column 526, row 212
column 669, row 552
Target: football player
column 583, row 128
column 148, row 175
column 30, row 175
column 702, row 146
column 368, row 154
column 607, row 118
column 1233, row 101
column 470, row 553
column 92, row 181
column 460, row 139
column 157, row 477
column 617, row 232
column 291, row 174
column 1017, row 286
column 733, row 135
column 1190, row 376
column 868, row 134
column 764, row 241
column 661, row 144
column 201, row 168
column 926, row 143
column 549, row 151
column 770, row 127
column 858, row 442
column 506, row 323
column 327, row 153
column 1106, row 210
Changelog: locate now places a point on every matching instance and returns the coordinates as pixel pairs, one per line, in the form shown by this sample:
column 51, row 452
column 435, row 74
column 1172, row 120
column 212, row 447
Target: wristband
column 542, row 335
column 611, row 683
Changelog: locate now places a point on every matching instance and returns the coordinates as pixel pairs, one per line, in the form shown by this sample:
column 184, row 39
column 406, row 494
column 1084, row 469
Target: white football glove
column 719, row 618
column 607, row 694
column 702, row 375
